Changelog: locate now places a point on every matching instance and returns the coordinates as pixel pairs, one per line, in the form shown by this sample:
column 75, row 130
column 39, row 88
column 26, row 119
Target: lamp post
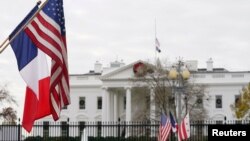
column 178, row 74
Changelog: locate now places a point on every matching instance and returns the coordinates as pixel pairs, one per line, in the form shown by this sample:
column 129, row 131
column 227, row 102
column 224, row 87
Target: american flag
column 165, row 128
column 157, row 45
column 47, row 31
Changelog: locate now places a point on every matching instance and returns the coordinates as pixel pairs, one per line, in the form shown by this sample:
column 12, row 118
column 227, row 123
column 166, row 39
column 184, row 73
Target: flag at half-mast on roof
column 42, row 32
column 157, row 45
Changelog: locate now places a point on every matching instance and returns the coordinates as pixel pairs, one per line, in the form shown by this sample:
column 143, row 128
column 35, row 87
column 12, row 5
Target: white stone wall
column 228, row 98
column 227, row 84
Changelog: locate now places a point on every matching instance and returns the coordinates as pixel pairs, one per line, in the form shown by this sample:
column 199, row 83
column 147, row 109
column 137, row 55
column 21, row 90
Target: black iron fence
column 101, row 131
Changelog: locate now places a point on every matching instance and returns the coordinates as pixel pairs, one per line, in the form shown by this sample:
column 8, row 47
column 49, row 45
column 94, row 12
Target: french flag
column 173, row 122
column 33, row 68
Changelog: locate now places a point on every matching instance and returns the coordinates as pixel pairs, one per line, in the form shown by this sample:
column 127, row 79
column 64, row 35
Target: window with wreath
column 218, row 101
column 236, row 99
column 199, row 102
column 124, row 103
column 82, row 102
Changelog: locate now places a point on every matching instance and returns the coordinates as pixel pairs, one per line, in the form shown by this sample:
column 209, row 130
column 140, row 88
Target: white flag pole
column 155, row 43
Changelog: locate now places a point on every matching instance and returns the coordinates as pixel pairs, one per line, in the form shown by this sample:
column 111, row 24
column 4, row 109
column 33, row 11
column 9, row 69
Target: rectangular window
column 218, row 101
column 199, row 102
column 99, row 103
column 64, row 128
column 46, row 129
column 81, row 127
column 236, row 98
column 147, row 102
column 218, row 75
column 82, row 103
column 124, row 102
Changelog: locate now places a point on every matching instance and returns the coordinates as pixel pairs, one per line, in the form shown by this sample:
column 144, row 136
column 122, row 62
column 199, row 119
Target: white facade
column 114, row 87
column 228, row 85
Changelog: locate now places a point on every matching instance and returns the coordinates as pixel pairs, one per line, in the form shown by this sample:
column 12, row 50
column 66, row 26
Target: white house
column 106, row 94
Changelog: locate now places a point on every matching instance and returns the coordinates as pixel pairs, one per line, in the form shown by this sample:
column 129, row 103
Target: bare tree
column 7, row 113
column 165, row 91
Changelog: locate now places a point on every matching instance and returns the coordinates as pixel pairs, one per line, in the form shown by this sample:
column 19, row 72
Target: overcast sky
column 108, row 30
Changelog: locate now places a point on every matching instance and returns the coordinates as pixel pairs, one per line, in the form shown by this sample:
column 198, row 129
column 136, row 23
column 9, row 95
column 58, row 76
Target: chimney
column 98, row 67
column 210, row 64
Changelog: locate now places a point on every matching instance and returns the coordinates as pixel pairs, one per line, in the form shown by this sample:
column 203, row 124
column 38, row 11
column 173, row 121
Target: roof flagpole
column 155, row 43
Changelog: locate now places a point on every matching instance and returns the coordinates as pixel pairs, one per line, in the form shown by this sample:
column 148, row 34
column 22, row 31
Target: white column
column 115, row 111
column 105, row 107
column 104, row 103
column 152, row 104
column 111, row 111
column 108, row 106
column 115, row 108
column 128, row 104
column 152, row 109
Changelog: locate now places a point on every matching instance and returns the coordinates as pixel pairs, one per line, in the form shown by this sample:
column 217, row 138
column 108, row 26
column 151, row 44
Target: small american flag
column 47, row 31
column 165, row 128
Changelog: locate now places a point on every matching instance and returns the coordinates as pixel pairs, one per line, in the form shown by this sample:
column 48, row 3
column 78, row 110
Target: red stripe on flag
column 64, row 97
column 184, row 130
